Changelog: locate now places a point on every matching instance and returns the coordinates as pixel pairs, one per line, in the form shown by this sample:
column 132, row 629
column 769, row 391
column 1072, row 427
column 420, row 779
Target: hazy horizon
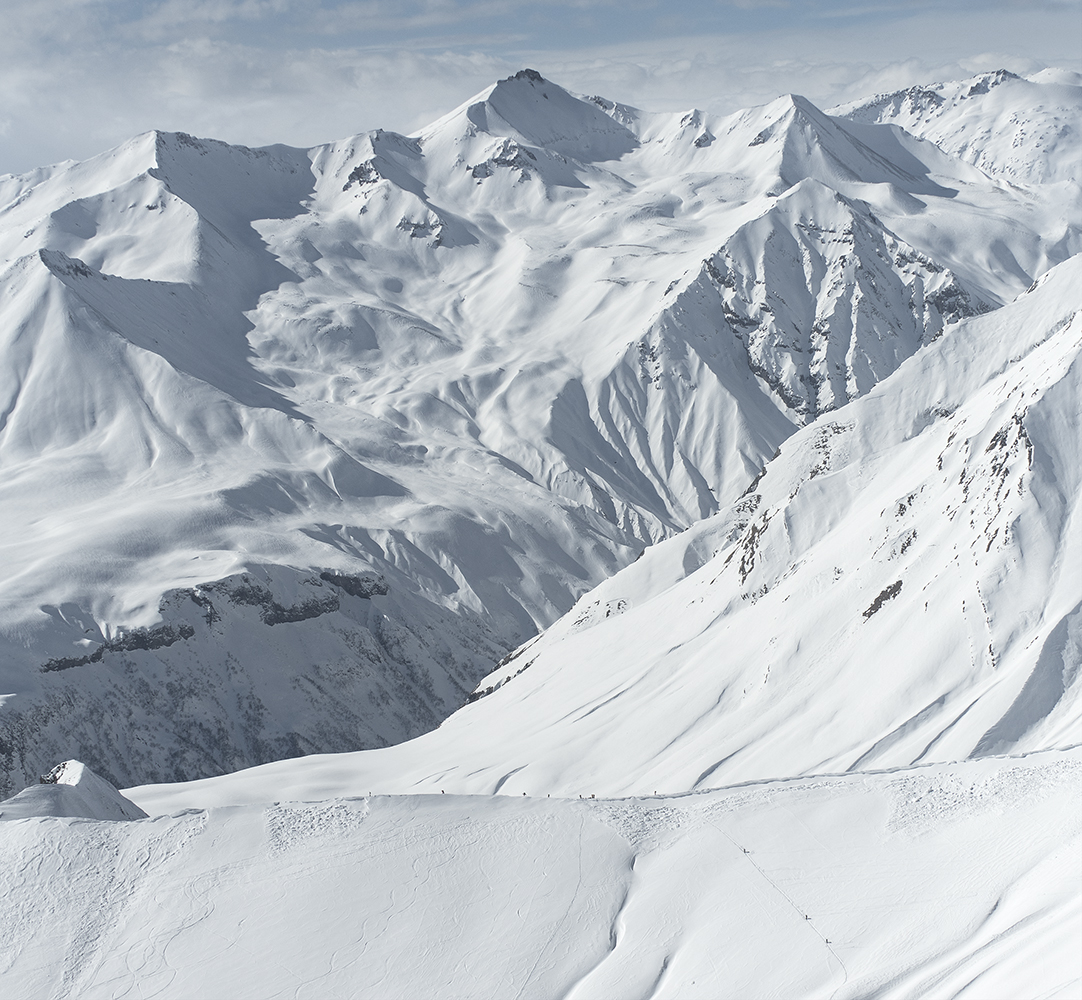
column 83, row 75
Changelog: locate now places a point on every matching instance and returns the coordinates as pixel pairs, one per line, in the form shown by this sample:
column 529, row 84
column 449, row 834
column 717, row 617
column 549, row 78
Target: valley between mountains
column 569, row 551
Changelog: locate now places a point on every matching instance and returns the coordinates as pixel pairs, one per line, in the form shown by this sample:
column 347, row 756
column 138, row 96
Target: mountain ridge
column 678, row 678
column 488, row 371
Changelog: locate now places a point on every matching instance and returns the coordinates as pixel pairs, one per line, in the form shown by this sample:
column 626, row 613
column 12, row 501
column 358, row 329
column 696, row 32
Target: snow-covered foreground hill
column 947, row 880
column 295, row 444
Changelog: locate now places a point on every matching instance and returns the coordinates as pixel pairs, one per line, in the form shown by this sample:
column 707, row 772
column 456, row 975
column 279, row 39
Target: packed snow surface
column 948, row 880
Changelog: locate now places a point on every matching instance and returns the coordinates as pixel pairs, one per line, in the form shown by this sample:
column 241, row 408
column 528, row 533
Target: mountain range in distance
column 479, row 369
column 575, row 528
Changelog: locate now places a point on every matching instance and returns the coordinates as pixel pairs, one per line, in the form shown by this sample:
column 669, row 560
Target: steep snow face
column 528, row 109
column 872, row 300
column 900, row 585
column 1023, row 129
column 487, row 364
column 70, row 789
column 917, row 556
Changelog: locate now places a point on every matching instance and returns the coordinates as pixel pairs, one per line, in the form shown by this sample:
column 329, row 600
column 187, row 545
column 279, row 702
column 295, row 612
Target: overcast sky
column 79, row 76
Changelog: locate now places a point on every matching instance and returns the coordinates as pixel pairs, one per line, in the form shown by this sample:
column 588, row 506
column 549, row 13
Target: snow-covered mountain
column 1025, row 129
column 750, row 446
column 901, row 584
column 295, row 444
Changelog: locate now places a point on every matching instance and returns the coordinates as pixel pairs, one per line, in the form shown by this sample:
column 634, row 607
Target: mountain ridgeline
column 297, row 444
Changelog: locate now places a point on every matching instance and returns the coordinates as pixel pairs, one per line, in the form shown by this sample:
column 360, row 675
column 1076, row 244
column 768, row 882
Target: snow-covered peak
column 1055, row 75
column 1023, row 129
column 265, row 183
column 801, row 141
column 70, row 789
column 530, row 109
column 625, row 114
column 489, row 363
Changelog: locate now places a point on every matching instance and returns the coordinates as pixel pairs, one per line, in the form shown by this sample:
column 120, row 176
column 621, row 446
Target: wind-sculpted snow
column 70, row 789
column 488, row 364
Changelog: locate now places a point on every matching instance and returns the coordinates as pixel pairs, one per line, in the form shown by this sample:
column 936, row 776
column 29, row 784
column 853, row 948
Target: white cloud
column 828, row 65
column 78, row 76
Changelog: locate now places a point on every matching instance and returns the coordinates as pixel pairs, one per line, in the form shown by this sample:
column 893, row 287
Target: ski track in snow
column 933, row 881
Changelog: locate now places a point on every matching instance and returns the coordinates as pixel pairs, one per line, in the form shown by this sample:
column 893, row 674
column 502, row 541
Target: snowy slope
column 901, row 584
column 770, row 422
column 486, row 365
column 70, row 789
column 945, row 880
column 1025, row 129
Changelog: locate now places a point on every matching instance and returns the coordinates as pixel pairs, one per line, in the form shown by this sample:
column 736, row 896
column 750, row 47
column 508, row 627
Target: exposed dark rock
column 363, row 173
column 887, row 594
column 139, row 638
column 357, row 586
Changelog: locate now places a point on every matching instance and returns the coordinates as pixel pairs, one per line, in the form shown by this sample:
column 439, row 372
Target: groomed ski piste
column 821, row 737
